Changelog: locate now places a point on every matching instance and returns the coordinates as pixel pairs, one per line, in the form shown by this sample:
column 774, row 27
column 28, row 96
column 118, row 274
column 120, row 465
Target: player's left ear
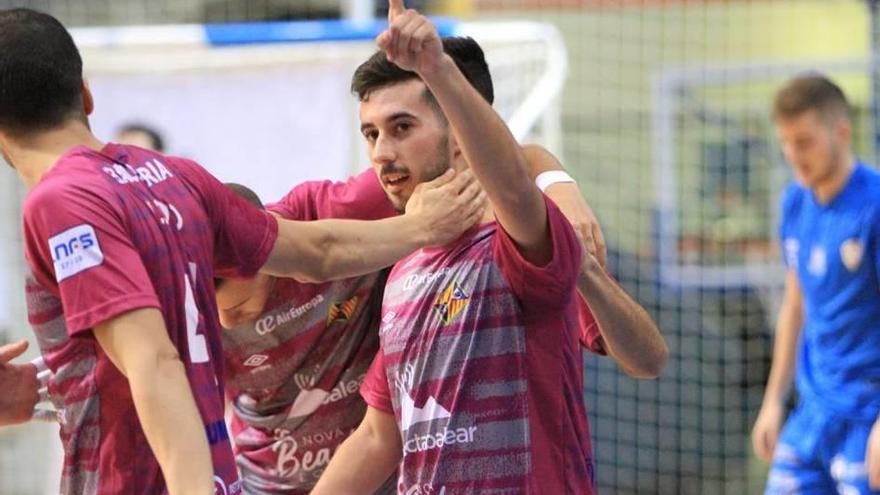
column 88, row 101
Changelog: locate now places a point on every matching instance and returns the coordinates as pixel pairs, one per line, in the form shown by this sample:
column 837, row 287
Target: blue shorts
column 820, row 453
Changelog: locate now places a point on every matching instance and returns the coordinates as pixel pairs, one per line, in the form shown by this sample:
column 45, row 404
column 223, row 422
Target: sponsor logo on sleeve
column 74, row 250
column 792, row 248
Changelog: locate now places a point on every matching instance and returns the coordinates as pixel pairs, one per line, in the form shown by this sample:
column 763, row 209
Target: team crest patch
column 74, row 250
column 818, row 261
column 343, row 311
column 851, row 252
column 451, row 302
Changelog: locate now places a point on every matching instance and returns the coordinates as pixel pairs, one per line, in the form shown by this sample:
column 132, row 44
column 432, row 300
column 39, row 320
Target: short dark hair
column 811, row 92
column 246, row 193
column 252, row 198
column 40, row 72
column 377, row 72
column 153, row 134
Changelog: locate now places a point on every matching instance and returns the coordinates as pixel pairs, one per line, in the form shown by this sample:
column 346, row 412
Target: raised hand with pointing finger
column 411, row 40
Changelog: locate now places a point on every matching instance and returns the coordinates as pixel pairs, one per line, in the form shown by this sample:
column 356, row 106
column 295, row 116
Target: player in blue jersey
column 828, row 331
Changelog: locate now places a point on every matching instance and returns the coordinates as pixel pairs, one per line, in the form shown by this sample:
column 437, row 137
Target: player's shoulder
column 867, row 197
column 63, row 187
column 173, row 163
column 870, row 178
column 793, row 197
column 359, row 197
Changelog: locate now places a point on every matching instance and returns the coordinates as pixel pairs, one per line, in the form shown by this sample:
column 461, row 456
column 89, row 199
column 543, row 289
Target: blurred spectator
column 141, row 135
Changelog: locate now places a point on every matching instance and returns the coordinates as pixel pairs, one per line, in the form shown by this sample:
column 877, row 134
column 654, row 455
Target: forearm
column 788, row 330
column 172, row 424
column 491, row 151
column 334, row 249
column 360, row 465
column 779, row 383
column 630, row 336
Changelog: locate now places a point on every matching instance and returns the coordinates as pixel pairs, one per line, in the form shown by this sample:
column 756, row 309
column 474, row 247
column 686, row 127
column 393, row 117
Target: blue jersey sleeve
column 874, row 242
column 788, row 206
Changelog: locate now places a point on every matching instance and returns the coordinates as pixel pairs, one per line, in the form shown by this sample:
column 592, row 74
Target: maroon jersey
column 117, row 230
column 481, row 366
column 294, row 373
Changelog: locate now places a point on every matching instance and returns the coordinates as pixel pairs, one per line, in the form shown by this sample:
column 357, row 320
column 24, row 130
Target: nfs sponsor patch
column 74, row 250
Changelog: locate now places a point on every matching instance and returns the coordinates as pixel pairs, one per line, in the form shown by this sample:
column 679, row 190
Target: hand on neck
column 489, row 213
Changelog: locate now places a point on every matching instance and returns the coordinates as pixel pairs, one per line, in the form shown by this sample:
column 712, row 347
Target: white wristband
column 550, row 177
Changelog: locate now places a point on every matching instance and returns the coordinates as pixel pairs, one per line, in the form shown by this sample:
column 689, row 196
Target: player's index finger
column 395, row 8
column 11, row 351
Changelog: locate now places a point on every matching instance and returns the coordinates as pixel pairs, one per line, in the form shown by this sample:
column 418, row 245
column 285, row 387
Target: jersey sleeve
column 360, row 198
column 78, row 246
column 788, row 205
column 542, row 288
column 375, row 389
column 590, row 336
column 244, row 235
column 875, row 241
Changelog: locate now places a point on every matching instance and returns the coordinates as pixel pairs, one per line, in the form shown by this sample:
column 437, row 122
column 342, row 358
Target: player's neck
column 489, row 214
column 33, row 155
column 831, row 186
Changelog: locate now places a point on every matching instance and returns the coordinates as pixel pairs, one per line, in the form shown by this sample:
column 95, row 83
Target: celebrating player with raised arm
column 122, row 244
column 478, row 383
column 296, row 353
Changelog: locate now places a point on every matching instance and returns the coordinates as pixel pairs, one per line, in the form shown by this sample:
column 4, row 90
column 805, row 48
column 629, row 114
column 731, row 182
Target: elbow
column 322, row 269
column 313, row 274
column 152, row 364
column 652, row 364
column 655, row 365
column 317, row 263
column 167, row 360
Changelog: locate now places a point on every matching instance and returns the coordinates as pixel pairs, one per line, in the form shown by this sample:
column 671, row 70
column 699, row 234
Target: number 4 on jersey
column 198, row 348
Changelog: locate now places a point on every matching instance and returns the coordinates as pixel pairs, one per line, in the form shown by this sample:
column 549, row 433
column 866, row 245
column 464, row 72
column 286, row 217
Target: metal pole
column 358, row 10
